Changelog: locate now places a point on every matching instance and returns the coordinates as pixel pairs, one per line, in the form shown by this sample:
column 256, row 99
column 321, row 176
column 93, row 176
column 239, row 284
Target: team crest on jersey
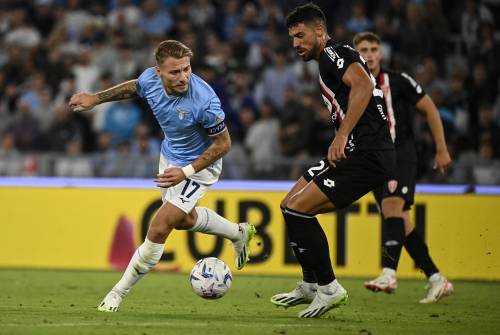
column 181, row 113
column 392, row 185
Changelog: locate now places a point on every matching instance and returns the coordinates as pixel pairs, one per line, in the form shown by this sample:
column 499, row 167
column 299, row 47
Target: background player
column 360, row 158
column 190, row 115
column 403, row 95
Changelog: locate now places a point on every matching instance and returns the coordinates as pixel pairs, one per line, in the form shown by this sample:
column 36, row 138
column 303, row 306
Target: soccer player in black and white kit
column 403, row 96
column 360, row 158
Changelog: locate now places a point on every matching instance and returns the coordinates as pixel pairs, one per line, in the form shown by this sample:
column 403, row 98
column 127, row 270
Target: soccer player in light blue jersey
column 190, row 115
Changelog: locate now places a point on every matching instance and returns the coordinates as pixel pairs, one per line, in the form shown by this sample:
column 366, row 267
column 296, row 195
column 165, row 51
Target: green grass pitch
column 64, row 302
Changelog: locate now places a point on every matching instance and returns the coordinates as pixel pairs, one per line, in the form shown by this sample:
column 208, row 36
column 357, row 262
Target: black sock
column 310, row 245
column 419, row 251
column 307, row 270
column 392, row 241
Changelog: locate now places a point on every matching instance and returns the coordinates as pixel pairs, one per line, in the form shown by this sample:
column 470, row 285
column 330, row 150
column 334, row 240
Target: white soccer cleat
column 327, row 297
column 242, row 245
column 437, row 289
column 304, row 293
column 383, row 283
column 110, row 303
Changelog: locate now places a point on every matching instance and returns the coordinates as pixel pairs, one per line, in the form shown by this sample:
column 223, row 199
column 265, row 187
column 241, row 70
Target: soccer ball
column 210, row 278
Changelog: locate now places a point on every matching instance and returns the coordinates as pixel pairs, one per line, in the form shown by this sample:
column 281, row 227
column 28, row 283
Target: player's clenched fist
column 336, row 149
column 170, row 177
column 83, row 101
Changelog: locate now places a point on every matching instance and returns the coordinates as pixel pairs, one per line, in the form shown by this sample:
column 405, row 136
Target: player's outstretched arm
column 221, row 143
column 361, row 91
column 442, row 159
column 85, row 101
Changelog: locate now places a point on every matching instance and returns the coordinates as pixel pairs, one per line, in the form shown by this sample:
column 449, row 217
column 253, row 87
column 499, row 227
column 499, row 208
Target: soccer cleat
column 327, row 297
column 302, row 294
column 110, row 303
column 437, row 289
column 242, row 245
column 383, row 283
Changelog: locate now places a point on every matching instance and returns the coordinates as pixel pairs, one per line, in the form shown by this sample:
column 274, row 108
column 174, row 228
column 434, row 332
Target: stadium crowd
column 51, row 49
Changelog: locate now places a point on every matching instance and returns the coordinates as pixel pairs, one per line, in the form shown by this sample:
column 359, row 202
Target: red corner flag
column 123, row 246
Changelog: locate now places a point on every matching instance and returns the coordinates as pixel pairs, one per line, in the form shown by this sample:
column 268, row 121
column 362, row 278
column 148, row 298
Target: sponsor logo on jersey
column 331, row 53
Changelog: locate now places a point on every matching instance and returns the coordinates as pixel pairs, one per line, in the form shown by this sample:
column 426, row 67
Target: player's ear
column 157, row 68
column 319, row 29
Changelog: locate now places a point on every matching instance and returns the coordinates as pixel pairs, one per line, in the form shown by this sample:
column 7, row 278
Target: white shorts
column 186, row 194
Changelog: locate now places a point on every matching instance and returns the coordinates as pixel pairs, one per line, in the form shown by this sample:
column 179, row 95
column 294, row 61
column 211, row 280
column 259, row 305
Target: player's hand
column 83, row 101
column 442, row 161
column 336, row 149
column 170, row 177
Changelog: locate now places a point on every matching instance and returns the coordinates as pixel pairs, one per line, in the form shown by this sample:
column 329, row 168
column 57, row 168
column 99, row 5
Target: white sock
column 209, row 222
column 310, row 286
column 390, row 272
column 144, row 259
column 329, row 288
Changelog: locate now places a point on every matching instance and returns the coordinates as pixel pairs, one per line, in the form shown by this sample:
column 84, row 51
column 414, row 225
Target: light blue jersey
column 187, row 120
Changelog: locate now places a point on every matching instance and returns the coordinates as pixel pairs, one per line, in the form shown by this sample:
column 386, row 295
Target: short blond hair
column 365, row 36
column 172, row 48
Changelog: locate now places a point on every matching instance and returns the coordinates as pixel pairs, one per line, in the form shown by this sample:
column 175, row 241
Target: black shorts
column 401, row 184
column 353, row 177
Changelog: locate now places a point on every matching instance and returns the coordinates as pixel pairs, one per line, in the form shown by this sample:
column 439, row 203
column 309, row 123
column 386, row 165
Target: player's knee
column 160, row 228
column 392, row 207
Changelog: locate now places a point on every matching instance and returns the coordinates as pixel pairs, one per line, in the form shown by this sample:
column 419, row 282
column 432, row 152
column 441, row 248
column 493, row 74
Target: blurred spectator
column 202, row 13
column 105, row 154
column 75, row 18
column 262, row 141
column 414, row 42
column 20, row 33
column 231, row 18
column 122, row 165
column 43, row 17
column 427, row 75
column 437, row 25
column 320, row 139
column 11, row 161
column 295, row 129
column 276, row 79
column 64, row 128
column 486, row 170
column 86, row 72
column 481, row 90
column 120, row 120
column 155, row 20
column 25, row 128
column 358, row 21
column 143, row 143
column 123, row 15
column 489, row 129
column 474, row 14
column 73, row 164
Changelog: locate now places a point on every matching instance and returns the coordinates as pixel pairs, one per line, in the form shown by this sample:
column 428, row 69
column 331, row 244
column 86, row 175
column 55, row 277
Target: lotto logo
column 329, row 183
